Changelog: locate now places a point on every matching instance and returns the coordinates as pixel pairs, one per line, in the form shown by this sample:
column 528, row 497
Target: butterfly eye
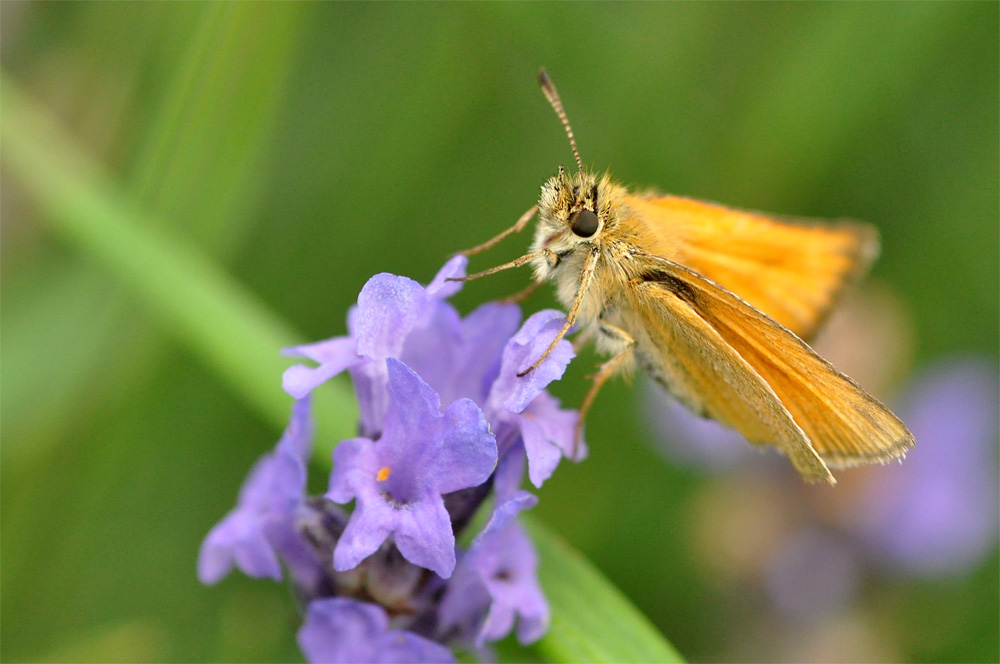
column 584, row 223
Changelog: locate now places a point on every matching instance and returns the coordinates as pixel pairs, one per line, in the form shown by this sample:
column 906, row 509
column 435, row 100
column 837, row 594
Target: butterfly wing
column 678, row 347
column 793, row 272
column 742, row 368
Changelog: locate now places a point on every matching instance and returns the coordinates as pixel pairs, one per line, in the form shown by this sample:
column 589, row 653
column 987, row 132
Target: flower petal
column 389, row 307
column 297, row 439
column 344, row 631
column 509, row 473
column 440, row 287
column 341, row 630
column 468, row 454
column 498, row 623
column 461, row 357
column 368, row 527
column 268, row 501
column 485, row 333
column 464, row 604
column 407, row 648
column 543, row 456
column 432, row 350
column 502, row 516
column 353, row 461
column 399, row 481
column 549, row 433
column 507, row 564
column 514, row 393
column 497, row 578
column 413, row 405
column 237, row 539
column 509, row 571
column 334, row 355
column 424, row 536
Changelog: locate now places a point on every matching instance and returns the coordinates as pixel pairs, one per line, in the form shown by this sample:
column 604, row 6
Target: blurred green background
column 304, row 148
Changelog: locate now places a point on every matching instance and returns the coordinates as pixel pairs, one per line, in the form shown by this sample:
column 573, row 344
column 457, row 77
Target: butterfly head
column 569, row 204
column 576, row 209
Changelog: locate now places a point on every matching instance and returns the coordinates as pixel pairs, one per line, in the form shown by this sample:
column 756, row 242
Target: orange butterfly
column 714, row 304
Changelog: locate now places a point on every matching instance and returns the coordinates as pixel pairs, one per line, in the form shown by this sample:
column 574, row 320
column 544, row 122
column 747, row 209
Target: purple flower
column 522, row 409
column 512, row 392
column 467, row 364
column 476, row 357
column 813, row 574
column 341, row 630
column 496, row 582
column 263, row 523
column 397, row 317
column 398, row 481
column 937, row 512
column 333, row 356
column 548, row 434
column 417, row 476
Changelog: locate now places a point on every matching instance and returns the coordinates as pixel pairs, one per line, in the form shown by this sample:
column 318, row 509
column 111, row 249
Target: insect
column 714, row 304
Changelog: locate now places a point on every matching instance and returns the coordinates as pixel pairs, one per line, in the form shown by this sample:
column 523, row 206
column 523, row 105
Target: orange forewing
column 792, row 271
column 843, row 423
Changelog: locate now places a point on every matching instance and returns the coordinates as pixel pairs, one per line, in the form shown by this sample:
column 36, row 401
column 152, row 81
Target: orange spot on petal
column 383, row 474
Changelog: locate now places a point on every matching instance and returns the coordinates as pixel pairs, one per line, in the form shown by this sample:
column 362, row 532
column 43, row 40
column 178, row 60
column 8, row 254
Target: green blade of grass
column 188, row 294
column 592, row 621
column 237, row 337
column 198, row 164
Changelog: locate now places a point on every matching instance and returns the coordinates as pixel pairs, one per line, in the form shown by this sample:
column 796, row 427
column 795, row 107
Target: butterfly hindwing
column 840, row 421
column 676, row 345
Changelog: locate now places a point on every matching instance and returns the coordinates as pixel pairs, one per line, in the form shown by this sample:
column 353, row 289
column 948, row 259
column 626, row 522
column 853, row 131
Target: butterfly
column 715, row 304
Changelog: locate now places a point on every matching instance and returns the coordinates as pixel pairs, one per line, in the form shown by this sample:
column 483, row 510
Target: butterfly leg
column 523, row 295
column 517, row 262
column 585, row 278
column 519, row 226
column 605, row 371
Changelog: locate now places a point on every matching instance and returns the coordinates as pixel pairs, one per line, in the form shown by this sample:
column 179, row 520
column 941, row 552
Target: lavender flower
column 520, row 407
column 397, row 317
column 262, row 525
column 496, row 582
column 813, row 573
column 341, row 630
column 477, row 357
column 399, row 480
column 378, row 581
column 937, row 513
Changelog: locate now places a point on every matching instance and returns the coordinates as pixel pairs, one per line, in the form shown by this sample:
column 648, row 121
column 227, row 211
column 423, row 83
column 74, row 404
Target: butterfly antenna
column 550, row 93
